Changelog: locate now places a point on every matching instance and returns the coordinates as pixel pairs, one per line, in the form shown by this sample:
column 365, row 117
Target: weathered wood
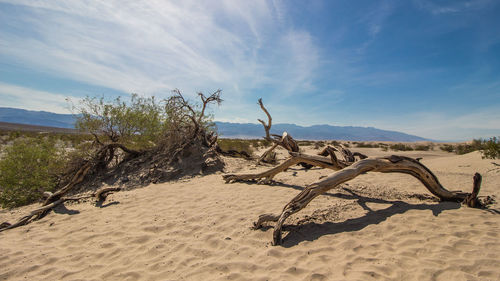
column 391, row 164
column 100, row 195
column 296, row 158
column 285, row 140
column 331, row 162
column 267, row 126
column 471, row 200
column 263, row 156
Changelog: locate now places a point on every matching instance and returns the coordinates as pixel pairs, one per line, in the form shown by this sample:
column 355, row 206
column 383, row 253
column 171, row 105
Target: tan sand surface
column 376, row 227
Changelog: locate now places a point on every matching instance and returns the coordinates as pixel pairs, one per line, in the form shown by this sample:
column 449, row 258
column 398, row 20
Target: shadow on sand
column 311, row 231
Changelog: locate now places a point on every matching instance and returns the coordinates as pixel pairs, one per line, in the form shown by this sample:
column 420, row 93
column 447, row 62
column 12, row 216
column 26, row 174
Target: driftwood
column 391, row 164
column 100, row 195
column 285, row 140
column 332, row 162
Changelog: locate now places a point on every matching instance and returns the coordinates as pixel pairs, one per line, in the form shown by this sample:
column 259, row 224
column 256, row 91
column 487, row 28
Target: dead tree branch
column 99, row 195
column 267, row 126
column 332, row 162
column 286, row 141
column 391, row 164
column 295, row 158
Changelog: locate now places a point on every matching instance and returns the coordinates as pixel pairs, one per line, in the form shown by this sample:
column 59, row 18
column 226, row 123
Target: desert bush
column 28, row 168
column 305, row 142
column 335, row 143
column 238, row 145
column 366, row 145
column 446, row 147
column 400, row 147
column 491, row 148
column 137, row 124
column 422, row 147
column 319, row 144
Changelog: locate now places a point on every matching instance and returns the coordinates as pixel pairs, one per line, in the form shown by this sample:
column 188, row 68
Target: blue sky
column 430, row 68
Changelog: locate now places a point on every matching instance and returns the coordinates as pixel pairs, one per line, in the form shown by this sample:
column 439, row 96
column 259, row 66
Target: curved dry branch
column 267, row 126
column 296, row 158
column 100, row 195
column 391, row 164
column 348, row 156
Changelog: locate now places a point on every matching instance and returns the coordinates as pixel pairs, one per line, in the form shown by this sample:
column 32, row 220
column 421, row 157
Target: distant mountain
column 40, row 118
column 228, row 130
column 316, row 132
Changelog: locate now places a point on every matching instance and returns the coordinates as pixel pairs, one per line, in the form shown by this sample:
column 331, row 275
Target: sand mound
column 376, row 227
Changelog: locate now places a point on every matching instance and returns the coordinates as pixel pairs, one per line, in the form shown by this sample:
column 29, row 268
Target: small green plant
column 28, row 168
column 422, row 147
column 238, row 145
column 491, row 148
column 319, row 144
column 366, row 145
column 401, row 147
column 137, row 124
column 446, row 147
column 304, row 142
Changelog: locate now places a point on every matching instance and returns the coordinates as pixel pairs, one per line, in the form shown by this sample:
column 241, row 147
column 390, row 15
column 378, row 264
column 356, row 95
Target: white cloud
column 155, row 46
column 26, row 98
column 452, row 7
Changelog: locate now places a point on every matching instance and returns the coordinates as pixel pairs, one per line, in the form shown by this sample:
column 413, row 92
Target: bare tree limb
column 100, row 195
column 267, row 126
column 391, row 164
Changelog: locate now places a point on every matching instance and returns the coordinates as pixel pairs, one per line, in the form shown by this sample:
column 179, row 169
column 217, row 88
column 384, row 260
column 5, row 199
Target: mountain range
column 229, row 130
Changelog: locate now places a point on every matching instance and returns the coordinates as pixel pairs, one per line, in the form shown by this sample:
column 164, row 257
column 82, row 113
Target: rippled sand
column 378, row 226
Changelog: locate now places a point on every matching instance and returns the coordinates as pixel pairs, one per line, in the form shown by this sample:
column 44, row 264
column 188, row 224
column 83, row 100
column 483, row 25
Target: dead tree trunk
column 285, row 140
column 391, row 164
column 331, row 162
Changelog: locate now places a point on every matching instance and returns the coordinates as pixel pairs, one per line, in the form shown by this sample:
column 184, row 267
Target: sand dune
column 376, row 227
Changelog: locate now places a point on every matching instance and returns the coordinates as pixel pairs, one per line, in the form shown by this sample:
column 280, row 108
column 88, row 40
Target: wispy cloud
column 155, row 46
column 31, row 99
column 438, row 8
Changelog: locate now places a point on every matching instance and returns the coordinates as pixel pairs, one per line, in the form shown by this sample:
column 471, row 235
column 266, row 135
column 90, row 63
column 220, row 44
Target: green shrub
column 422, row 147
column 335, row 143
column 366, row 145
column 319, row 144
column 401, row 147
column 137, row 124
column 28, row 168
column 238, row 145
column 304, row 142
column 491, row 148
column 446, row 147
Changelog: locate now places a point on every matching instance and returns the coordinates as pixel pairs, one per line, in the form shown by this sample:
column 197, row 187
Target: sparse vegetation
column 423, row 147
column 400, row 147
column 489, row 148
column 319, row 144
column 29, row 167
column 113, row 133
column 366, row 145
column 238, row 145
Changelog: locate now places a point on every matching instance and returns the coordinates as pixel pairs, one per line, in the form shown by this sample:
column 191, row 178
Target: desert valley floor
column 375, row 227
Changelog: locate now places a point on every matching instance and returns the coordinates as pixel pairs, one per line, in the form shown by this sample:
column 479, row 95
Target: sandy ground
column 376, row 227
